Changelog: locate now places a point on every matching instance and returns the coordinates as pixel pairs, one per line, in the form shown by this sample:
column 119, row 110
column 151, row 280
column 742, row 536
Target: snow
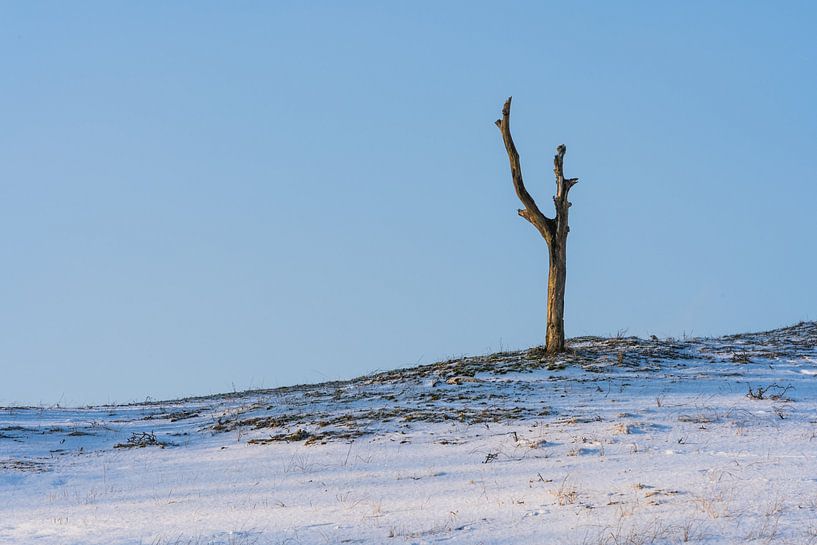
column 664, row 446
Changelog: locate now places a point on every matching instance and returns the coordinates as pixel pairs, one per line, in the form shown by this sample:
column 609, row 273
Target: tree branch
column 563, row 185
column 546, row 226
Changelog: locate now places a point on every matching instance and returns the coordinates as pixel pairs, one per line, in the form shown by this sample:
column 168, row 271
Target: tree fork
column 553, row 230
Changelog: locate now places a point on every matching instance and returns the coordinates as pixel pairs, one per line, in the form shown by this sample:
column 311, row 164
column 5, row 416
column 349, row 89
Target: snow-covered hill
column 620, row 441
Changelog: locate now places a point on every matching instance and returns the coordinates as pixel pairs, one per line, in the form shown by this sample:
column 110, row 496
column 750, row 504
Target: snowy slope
column 621, row 441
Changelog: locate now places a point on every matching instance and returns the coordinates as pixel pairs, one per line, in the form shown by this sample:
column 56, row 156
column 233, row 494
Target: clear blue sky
column 198, row 196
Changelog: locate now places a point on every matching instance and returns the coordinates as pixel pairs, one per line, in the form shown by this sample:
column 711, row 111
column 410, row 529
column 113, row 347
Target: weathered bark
column 553, row 230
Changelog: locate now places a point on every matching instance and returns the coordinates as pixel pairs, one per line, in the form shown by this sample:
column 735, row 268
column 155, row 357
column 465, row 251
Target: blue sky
column 198, row 197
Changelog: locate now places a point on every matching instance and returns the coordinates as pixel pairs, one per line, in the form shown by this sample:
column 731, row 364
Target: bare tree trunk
column 555, row 335
column 553, row 230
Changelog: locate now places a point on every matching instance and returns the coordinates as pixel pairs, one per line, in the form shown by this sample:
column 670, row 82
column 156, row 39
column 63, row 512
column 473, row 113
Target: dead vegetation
column 777, row 392
column 173, row 416
column 30, row 466
column 308, row 438
column 565, row 494
column 142, row 440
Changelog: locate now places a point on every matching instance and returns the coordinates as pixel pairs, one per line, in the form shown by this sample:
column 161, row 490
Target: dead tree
column 553, row 230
